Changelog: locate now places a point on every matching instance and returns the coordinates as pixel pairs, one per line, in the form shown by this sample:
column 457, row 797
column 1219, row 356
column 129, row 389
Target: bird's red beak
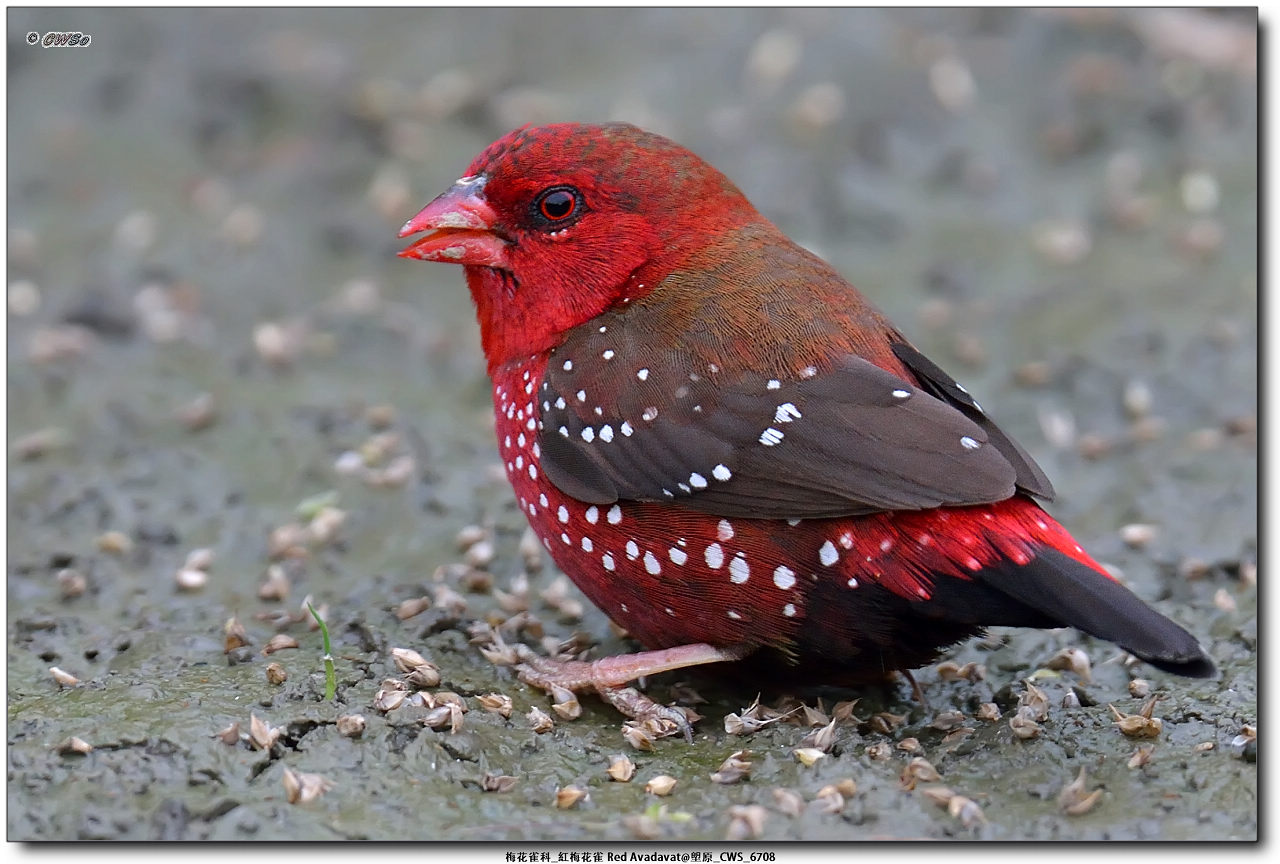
column 462, row 226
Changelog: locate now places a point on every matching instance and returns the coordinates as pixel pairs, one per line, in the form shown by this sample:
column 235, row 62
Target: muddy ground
column 1059, row 208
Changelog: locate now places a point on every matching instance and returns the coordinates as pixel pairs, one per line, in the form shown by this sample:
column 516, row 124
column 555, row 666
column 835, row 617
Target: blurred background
column 211, row 341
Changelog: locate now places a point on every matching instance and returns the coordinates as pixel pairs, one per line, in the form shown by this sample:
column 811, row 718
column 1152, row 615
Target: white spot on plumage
column 633, row 551
column 588, row 434
column 521, row 440
column 685, row 488
column 793, row 522
column 506, row 442
column 784, row 577
column 789, row 610
column 614, row 515
column 712, row 368
column 968, row 443
column 528, row 388
column 562, row 514
column 669, row 611
column 643, row 374
column 786, row 413
column 586, row 544
column 592, row 514
column 724, row 531
column 604, row 329
column 808, row 371
column 900, row 394
column 697, row 481
column 606, row 433
column 564, row 538
column 607, row 560
column 531, row 425
column 886, row 544
column 537, row 450
column 626, row 429
column 773, row 384
column 721, row 472
column 568, row 365
column 526, row 374
column 852, row 583
column 739, row 571
column 649, row 414
column 828, row 554
column 846, row 539
column 651, row 563
column 582, row 395
column 542, row 499
column 677, row 556
column 714, row 556
column 770, row 437
column 734, row 615
column 519, row 462
column 608, row 355
column 533, row 472
column 560, row 403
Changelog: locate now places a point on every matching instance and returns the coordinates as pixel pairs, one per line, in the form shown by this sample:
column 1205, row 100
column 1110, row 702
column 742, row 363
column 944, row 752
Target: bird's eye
column 557, row 205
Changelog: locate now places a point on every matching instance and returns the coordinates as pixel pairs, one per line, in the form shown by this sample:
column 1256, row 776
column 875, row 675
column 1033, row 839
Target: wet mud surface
column 211, row 346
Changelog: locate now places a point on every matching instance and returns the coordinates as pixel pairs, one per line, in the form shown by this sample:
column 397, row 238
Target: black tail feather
column 1074, row 595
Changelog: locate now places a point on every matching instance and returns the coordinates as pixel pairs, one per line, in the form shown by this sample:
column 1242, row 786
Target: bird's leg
column 607, row 676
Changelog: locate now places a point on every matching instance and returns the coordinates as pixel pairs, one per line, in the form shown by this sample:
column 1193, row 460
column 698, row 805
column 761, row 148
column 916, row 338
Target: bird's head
column 556, row 224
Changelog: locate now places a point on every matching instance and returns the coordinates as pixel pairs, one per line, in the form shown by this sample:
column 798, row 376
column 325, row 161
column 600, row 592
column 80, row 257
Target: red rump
column 724, row 444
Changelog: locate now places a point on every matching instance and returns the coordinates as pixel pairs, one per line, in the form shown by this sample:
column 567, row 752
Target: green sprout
column 330, row 676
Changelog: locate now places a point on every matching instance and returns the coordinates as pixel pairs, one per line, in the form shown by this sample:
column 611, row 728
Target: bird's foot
column 608, row 675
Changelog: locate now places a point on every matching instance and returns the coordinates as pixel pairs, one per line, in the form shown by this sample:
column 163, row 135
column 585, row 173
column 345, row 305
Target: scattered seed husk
column 448, row 600
column 262, row 735
column 1140, row 725
column 276, row 586
column 41, row 443
column 1223, row 600
column 885, row 722
column 566, row 705
column 1035, row 701
column 276, row 674
column 411, row 607
column 1137, row 535
column 621, row 769
column 199, row 559
column 642, row 826
column 426, row 675
column 73, row 746
column 1023, row 726
column 323, row 527
column 469, row 535
column 406, row 659
column 64, row 678
column 492, row 782
column 808, row 756
column 1203, row 747
column 788, row 802
column 746, row 822
column 234, row 635
column 988, row 711
column 190, row 580
column 229, row 735
column 843, row 711
column 949, row 671
column 636, row 736
column 881, row 751
column 734, row 768
column 828, row 800
column 1070, row 700
column 661, row 785
column 1141, row 756
column 966, row 810
column 569, row 796
column 198, row 414
column 539, row 721
column 918, row 770
column 940, row 795
column 71, row 583
column 386, row 700
column 115, row 543
column 948, row 720
column 351, row 725
column 496, row 703
column 1073, row 800
column 531, row 551
column 279, row 642
column 438, row 717
column 911, row 745
column 823, row 738
column 300, row 787
column 479, row 554
column 1074, row 659
column 1139, row 688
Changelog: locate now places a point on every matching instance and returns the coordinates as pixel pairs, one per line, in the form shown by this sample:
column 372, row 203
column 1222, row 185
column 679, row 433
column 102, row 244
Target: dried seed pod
column 190, row 580
column 884, row 722
column 1023, row 726
column 115, row 543
column 940, row 795
column 948, row 720
column 746, row 822
column 351, row 725
column 279, row 642
column 299, row 787
column 64, row 678
column 531, row 551
column 808, row 756
column 1035, row 701
column 844, row 710
column 423, row 676
column 448, row 697
column 1074, row 659
column 229, row 735
column 455, row 717
column 262, row 735
column 1203, row 747
column 662, row 785
column 438, row 717
column 1141, row 756
column 491, row 782
column 406, row 659
column 496, row 703
column 1140, row 725
column 276, row 674
column 411, row 607
column 636, row 737
column 449, row 600
column 958, row 734
column 199, row 559
column 569, row 796
column 234, row 635
column 73, row 746
column 621, row 769
column 988, row 711
column 566, row 705
column 539, row 720
column 734, row 768
column 1073, row 800
column 828, row 800
column 1070, row 700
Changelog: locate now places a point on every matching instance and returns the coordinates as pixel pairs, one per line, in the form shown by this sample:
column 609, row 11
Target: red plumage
column 724, row 444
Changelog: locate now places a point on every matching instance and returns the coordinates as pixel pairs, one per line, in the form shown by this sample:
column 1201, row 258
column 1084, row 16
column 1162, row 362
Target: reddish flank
column 726, row 447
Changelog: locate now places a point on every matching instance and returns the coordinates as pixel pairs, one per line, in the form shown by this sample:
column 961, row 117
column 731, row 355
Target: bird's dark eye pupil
column 558, row 204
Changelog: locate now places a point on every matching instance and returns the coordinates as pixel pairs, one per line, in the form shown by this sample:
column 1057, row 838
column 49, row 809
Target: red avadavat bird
column 727, row 447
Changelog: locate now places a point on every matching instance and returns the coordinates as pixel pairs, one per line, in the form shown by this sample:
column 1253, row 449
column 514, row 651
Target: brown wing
column 622, row 420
